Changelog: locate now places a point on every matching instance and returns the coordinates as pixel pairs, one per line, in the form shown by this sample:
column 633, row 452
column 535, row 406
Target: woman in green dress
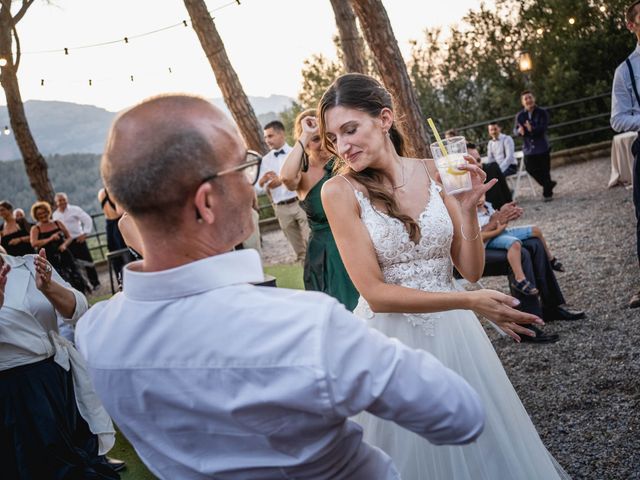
column 307, row 167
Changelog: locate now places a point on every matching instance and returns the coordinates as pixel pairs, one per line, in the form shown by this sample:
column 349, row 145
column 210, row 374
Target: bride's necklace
column 404, row 182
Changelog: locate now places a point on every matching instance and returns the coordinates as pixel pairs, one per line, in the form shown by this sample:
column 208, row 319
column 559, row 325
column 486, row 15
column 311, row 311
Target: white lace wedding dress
column 509, row 448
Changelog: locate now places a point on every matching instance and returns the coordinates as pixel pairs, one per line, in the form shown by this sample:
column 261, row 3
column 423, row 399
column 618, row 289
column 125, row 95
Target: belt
column 287, row 202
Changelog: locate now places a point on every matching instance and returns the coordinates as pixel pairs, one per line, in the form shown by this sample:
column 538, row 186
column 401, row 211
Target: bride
column 400, row 236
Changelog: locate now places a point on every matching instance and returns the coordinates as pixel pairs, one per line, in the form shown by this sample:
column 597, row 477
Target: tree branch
column 23, row 9
column 16, row 63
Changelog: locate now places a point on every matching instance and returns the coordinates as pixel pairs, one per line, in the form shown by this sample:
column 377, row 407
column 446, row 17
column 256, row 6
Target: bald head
column 158, row 152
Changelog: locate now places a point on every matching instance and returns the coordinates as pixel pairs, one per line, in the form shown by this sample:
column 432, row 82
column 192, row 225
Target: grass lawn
column 287, row 276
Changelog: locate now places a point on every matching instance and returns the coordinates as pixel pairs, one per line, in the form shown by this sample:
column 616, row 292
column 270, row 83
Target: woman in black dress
column 14, row 234
column 54, row 237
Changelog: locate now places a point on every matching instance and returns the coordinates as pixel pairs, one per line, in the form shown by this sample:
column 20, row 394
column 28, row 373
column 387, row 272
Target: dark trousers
column 635, row 149
column 539, row 167
column 81, row 252
column 116, row 242
column 537, row 269
column 499, row 194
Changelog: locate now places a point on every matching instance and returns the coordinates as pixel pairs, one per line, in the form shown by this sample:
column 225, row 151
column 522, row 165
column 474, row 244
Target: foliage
column 474, row 76
column 287, row 275
column 77, row 175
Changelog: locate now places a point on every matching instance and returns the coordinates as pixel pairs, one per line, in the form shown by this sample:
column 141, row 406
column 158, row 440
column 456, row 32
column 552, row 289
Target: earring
column 200, row 221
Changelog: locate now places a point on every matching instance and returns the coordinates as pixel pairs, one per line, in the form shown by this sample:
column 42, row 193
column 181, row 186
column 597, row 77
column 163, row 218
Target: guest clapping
column 14, row 232
column 307, row 167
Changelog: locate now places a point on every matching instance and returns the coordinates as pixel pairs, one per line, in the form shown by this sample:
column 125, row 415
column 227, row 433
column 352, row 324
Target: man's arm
column 85, row 220
column 490, row 156
column 509, row 150
column 622, row 117
column 365, row 370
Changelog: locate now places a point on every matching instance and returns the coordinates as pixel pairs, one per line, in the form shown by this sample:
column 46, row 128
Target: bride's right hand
column 498, row 307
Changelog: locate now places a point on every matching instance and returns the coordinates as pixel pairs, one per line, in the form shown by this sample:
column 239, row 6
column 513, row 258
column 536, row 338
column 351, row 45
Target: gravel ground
column 583, row 393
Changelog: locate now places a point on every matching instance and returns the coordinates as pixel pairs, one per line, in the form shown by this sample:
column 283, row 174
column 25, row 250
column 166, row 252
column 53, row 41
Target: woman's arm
column 359, row 257
column 62, row 298
column 291, row 172
column 67, row 236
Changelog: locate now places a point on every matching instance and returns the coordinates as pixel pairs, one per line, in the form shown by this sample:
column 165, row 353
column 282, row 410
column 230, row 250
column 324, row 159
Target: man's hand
column 528, row 126
column 4, row 274
column 267, row 177
column 82, row 238
column 520, row 130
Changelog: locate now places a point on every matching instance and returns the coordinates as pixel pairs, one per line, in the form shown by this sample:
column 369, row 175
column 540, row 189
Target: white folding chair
column 519, row 175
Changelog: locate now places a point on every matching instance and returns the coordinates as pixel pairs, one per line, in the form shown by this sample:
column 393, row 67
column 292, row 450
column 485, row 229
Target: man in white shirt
column 211, row 377
column 292, row 219
column 501, row 150
column 79, row 224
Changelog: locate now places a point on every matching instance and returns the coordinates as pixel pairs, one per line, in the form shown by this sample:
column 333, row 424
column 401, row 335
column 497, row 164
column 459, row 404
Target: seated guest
column 52, row 425
column 500, row 193
column 54, row 237
column 550, row 304
column 499, row 236
column 14, row 233
column 211, row 377
column 306, row 169
column 501, row 150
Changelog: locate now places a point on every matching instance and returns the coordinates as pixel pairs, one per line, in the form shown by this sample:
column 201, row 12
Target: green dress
column 323, row 267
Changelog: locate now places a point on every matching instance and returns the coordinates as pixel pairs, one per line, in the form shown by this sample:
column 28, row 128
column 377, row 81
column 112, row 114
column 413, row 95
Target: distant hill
column 63, row 127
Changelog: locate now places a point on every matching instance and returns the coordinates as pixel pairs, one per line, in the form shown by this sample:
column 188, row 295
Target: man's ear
column 204, row 201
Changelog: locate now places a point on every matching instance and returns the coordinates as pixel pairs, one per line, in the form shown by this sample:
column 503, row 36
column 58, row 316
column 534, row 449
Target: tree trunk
column 34, row 162
column 350, row 40
column 226, row 77
column 382, row 42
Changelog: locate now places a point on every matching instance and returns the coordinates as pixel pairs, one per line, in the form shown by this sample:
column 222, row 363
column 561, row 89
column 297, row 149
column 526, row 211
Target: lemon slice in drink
column 455, row 171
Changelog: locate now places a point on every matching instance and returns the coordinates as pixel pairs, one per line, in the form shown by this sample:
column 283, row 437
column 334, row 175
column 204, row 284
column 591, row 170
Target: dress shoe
column 115, row 464
column 540, row 337
column 635, row 301
column 563, row 312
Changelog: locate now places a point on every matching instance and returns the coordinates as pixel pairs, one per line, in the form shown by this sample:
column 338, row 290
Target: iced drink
column 453, row 179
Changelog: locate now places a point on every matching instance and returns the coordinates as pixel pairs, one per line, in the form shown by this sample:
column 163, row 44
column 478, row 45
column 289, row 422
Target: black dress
column 22, row 248
column 63, row 262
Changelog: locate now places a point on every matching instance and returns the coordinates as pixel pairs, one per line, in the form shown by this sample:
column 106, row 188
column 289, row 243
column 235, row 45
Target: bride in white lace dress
column 399, row 236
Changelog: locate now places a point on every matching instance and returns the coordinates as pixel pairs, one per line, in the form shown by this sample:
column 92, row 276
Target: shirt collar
column 233, row 268
column 14, row 262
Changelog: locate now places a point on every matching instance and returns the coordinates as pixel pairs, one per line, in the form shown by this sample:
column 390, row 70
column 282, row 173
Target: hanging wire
column 126, row 39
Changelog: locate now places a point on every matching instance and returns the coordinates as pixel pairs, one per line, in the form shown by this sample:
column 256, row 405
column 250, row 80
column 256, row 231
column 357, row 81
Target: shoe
column 524, row 287
column 635, row 301
column 547, row 199
column 556, row 265
column 563, row 312
column 540, row 337
column 115, row 464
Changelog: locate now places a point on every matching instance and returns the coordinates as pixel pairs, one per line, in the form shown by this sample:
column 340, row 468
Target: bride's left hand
column 469, row 199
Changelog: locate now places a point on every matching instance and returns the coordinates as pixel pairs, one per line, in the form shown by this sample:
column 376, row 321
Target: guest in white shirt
column 79, row 224
column 501, row 150
column 211, row 377
column 292, row 219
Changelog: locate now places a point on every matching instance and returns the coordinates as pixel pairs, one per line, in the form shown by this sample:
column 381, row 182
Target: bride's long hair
column 364, row 93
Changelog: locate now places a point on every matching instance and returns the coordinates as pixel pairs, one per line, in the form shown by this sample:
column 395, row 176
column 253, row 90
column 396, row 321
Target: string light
column 6, row 130
column 539, row 31
column 131, row 77
column 128, row 37
column 603, row 8
column 90, row 83
column 42, row 82
column 3, row 61
column 572, row 21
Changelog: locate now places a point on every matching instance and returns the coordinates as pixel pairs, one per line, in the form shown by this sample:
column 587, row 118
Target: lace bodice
column 424, row 266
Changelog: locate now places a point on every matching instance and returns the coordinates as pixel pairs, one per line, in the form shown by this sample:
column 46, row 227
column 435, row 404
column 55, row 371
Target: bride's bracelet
column 469, row 239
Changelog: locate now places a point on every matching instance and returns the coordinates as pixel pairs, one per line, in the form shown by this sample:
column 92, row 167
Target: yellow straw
column 437, row 135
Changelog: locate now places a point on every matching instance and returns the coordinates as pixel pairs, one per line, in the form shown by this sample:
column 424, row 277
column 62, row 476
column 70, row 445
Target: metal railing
column 569, row 123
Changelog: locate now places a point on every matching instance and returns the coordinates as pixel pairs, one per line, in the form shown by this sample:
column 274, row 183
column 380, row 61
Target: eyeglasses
column 250, row 167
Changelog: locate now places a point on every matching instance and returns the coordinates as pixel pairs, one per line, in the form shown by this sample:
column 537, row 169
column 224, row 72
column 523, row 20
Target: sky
column 267, row 42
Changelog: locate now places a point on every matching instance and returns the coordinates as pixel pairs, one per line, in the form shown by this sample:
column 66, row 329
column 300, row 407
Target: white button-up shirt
column 502, row 151
column 27, row 317
column 272, row 163
column 625, row 111
column 77, row 221
column 211, row 377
